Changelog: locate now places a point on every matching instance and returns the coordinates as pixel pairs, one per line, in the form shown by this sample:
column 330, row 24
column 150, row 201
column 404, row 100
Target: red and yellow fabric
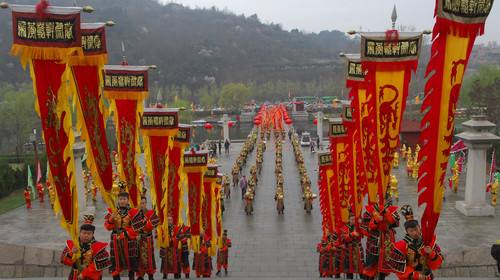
column 195, row 166
column 355, row 80
column 356, row 196
column 326, row 179
column 208, row 206
column 85, row 81
column 177, row 177
column 46, row 41
column 389, row 60
column 126, row 87
column 158, row 127
column 453, row 36
column 218, row 209
column 339, row 145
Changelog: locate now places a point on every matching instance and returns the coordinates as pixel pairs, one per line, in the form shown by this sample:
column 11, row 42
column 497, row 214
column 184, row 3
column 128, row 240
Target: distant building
column 410, row 132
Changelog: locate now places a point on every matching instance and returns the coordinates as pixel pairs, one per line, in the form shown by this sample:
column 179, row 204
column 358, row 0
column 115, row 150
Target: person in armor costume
column 223, row 254
column 279, row 197
column 52, row 194
column 308, row 197
column 378, row 225
column 410, row 258
column 183, row 237
column 169, row 255
column 27, row 197
column 249, row 196
column 41, row 192
column 352, row 253
column 124, row 224
column 325, row 258
column 226, row 186
column 202, row 261
column 146, row 260
column 336, row 252
column 89, row 259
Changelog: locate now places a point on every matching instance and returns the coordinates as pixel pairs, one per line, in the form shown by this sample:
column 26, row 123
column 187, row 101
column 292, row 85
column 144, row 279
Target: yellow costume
column 414, row 173
column 395, row 161
column 454, row 177
column 394, row 187
column 402, row 150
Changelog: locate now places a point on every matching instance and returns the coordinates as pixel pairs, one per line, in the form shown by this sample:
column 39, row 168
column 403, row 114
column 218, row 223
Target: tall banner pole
column 389, row 59
column 361, row 118
column 86, row 83
column 195, row 166
column 325, row 182
column 208, row 205
column 158, row 127
column 45, row 39
column 453, row 37
column 176, row 177
column 126, row 87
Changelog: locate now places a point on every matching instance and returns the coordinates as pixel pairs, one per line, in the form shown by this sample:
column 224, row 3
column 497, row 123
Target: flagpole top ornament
column 394, row 17
column 110, row 23
column 88, row 9
column 4, row 5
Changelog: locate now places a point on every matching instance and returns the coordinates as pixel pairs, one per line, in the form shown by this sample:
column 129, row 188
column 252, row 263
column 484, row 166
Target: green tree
column 475, row 85
column 18, row 117
column 232, row 95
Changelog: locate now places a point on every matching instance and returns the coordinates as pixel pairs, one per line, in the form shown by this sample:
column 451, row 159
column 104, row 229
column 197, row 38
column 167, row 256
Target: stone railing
column 18, row 261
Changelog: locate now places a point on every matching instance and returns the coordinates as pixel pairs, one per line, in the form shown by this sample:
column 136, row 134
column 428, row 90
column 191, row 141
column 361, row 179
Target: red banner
column 195, row 165
column 339, row 146
column 181, row 141
column 56, row 124
column 195, row 189
column 91, row 122
column 218, row 210
column 325, row 192
column 206, row 208
column 126, row 126
column 454, row 34
column 389, row 64
column 352, row 118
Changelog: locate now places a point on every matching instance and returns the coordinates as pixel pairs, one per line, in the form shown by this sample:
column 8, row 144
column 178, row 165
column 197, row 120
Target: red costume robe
column 352, row 253
column 183, row 238
column 169, row 256
column 92, row 261
column 223, row 254
column 380, row 238
column 39, row 188
column 147, row 264
column 409, row 261
column 202, row 260
column 325, row 258
column 27, row 198
column 125, row 227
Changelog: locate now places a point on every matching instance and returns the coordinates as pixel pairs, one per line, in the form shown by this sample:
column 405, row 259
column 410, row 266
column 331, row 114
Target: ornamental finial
column 394, row 17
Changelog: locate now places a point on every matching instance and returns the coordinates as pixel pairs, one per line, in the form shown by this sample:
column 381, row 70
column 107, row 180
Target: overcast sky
column 317, row 15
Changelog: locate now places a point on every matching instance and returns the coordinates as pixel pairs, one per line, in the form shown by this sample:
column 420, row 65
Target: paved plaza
column 266, row 245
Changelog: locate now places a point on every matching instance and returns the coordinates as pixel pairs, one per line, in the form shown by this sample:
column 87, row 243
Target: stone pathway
column 266, row 245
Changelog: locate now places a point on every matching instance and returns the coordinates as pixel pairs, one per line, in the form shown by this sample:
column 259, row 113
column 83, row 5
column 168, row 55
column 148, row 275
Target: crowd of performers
column 132, row 249
column 40, row 192
column 241, row 160
column 279, row 195
column 307, row 195
column 341, row 251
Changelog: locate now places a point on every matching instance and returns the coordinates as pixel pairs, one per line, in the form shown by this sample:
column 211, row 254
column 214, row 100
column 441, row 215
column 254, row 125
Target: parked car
column 305, row 139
